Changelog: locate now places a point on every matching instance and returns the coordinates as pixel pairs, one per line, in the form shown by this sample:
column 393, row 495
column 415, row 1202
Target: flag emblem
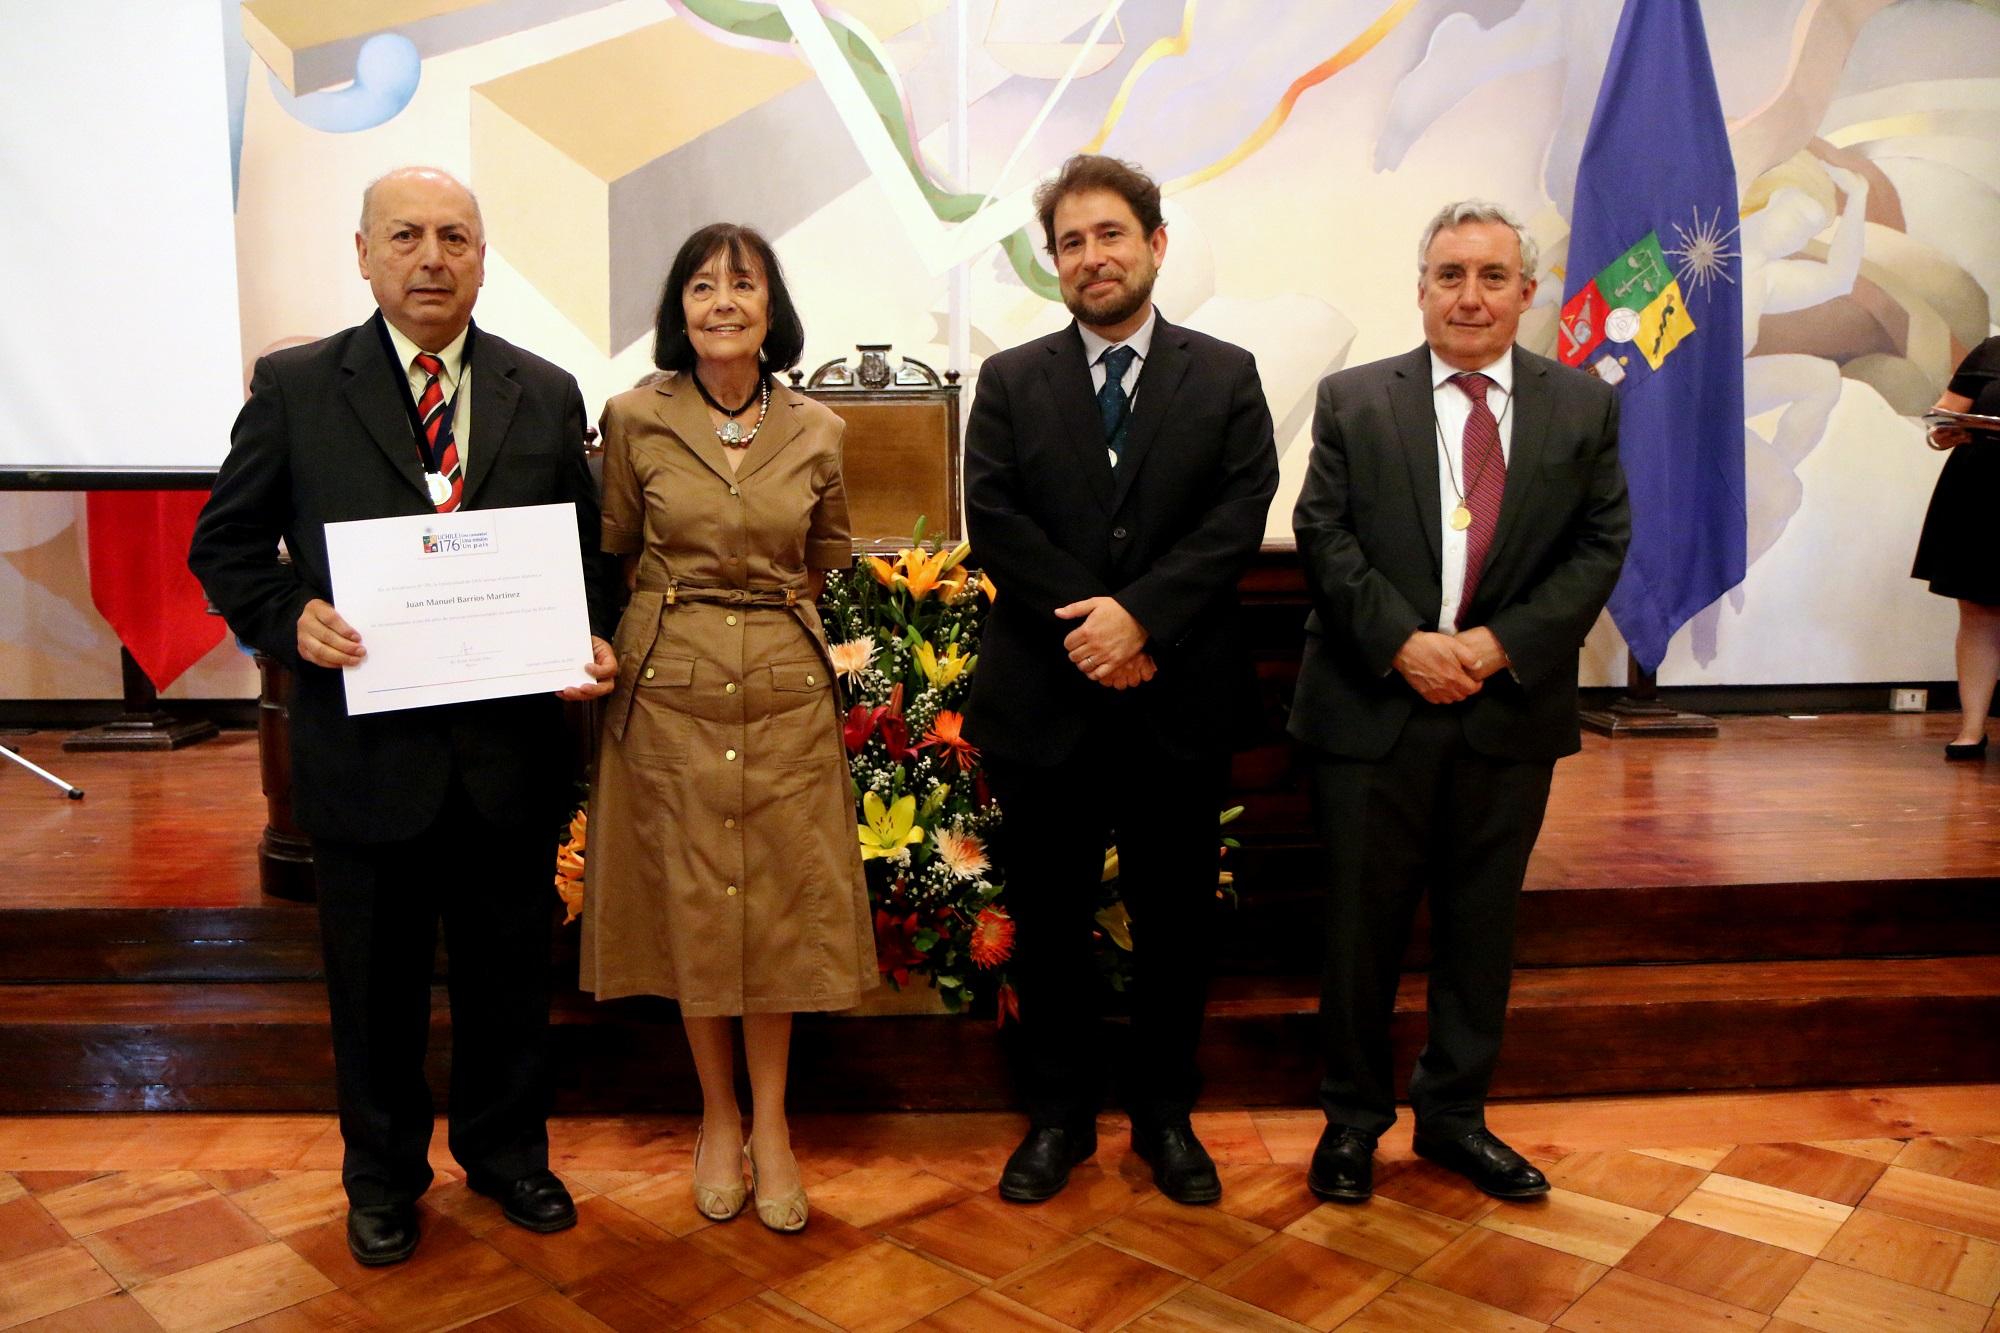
column 1636, row 299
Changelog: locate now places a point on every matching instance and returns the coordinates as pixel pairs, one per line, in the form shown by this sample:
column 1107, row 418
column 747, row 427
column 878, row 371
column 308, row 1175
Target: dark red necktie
column 430, row 407
column 1484, row 468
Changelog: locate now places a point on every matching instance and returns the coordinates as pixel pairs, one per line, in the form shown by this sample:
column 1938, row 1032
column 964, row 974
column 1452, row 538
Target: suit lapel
column 1076, row 404
column 1524, row 449
column 1159, row 381
column 780, row 428
column 1415, row 413
column 495, row 394
column 371, row 389
column 682, row 412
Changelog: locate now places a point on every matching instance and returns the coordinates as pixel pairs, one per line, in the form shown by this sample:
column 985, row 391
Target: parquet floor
column 1841, row 1210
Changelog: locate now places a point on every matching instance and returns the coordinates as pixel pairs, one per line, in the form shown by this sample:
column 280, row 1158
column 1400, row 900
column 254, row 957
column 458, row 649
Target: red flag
column 140, row 582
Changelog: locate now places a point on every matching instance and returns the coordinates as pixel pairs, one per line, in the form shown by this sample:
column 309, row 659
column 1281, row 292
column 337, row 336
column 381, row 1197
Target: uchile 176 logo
column 472, row 542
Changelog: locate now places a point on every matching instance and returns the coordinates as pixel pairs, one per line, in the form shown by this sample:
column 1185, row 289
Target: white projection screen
column 120, row 348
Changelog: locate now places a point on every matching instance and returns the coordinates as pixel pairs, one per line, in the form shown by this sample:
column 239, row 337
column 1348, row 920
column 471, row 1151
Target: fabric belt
column 674, row 592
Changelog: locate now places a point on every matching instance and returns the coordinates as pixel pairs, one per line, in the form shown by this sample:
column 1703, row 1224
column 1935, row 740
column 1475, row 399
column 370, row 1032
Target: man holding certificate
column 449, row 810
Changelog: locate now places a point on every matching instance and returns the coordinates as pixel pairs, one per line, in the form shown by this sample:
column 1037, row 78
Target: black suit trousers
column 1162, row 810
column 1433, row 818
column 380, row 905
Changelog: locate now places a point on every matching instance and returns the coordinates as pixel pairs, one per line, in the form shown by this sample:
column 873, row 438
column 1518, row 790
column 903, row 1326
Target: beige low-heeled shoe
column 787, row 1214
column 718, row 1205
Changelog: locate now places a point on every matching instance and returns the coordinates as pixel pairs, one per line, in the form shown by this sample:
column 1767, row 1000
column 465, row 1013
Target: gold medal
column 1461, row 519
column 439, row 487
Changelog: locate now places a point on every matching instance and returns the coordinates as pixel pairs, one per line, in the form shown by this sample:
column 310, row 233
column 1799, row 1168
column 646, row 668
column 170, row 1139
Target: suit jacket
column 324, row 437
column 1168, row 533
column 1368, row 525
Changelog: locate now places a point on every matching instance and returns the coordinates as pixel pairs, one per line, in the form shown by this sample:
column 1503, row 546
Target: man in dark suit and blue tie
column 447, row 813
column 1462, row 524
column 1117, row 478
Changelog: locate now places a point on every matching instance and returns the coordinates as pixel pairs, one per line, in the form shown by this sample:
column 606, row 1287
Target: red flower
column 859, row 726
column 863, row 722
column 896, row 736
column 896, row 951
column 1008, row 1006
column 992, row 937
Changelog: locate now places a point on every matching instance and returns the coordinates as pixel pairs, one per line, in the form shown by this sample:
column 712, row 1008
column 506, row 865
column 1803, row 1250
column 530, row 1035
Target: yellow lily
column 942, row 671
column 889, row 828
column 986, row 586
column 1110, row 866
column 1117, row 923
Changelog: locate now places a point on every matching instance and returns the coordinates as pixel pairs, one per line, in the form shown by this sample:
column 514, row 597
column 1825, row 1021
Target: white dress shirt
column 455, row 378
column 1094, row 349
column 1452, row 408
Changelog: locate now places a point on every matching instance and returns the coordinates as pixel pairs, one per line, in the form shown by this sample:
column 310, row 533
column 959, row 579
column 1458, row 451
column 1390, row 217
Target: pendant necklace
column 1461, row 516
column 730, row 432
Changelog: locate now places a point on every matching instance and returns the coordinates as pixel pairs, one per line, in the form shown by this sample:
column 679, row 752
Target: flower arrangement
column 904, row 634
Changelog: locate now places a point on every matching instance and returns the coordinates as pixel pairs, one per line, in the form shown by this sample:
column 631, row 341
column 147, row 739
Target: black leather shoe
column 1040, row 1167
column 538, row 1202
column 1343, row 1165
column 382, row 1235
column 1965, row 749
column 1486, row 1162
column 1182, row 1168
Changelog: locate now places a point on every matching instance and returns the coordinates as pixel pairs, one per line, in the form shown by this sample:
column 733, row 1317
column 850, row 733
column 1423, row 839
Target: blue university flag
column 1653, row 305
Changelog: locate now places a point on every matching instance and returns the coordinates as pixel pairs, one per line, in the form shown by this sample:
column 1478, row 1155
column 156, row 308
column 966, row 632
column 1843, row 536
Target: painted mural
column 889, row 147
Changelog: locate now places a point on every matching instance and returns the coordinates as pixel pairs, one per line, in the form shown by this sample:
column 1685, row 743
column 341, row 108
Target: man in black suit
column 1462, row 523
column 1117, row 478
column 444, row 812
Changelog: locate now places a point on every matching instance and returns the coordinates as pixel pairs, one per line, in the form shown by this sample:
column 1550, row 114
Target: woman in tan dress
column 724, row 870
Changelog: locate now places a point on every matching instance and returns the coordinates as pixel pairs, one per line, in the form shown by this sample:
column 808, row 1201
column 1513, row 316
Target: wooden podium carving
column 900, row 458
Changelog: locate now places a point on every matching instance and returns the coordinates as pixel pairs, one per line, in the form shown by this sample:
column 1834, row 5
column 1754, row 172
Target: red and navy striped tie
column 430, row 406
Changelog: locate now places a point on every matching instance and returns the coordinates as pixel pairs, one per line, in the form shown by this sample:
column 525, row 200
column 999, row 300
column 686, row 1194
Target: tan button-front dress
column 723, row 868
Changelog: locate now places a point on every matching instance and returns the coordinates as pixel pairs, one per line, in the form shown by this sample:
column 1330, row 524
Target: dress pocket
column 657, row 724
column 799, row 724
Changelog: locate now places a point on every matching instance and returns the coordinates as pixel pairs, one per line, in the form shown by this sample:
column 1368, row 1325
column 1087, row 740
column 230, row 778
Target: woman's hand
column 603, row 672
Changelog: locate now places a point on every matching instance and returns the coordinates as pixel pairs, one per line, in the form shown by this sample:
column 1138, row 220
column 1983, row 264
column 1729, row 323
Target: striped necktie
column 430, row 407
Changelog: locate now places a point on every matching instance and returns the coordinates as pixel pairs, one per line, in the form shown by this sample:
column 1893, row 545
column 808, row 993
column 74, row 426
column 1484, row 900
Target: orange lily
column 922, row 570
column 885, row 573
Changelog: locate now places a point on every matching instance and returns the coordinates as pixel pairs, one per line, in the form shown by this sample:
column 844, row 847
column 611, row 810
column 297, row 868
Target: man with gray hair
column 423, row 815
column 1462, row 523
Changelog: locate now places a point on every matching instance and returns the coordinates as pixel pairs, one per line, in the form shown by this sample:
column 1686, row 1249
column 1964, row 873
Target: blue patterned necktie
column 1113, row 407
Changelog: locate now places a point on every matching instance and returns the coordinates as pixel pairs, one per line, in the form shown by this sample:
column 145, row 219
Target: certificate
column 476, row 604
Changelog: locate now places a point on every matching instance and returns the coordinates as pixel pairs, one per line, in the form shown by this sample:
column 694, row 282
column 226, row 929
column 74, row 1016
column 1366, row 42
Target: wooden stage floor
column 1772, row 800
column 1842, row 1212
